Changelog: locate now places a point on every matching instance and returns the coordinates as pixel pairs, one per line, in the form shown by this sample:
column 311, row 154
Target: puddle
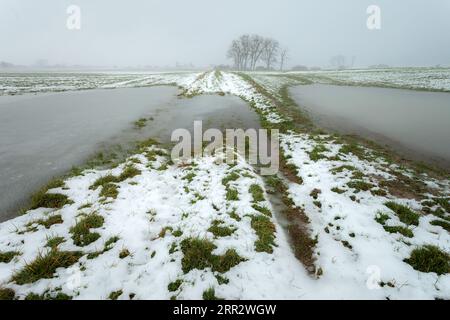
column 414, row 123
column 43, row 136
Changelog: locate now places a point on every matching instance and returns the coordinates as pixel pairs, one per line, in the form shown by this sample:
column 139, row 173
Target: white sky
column 162, row 32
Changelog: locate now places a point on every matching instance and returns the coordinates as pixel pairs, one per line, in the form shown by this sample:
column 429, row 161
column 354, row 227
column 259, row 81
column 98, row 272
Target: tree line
column 249, row 50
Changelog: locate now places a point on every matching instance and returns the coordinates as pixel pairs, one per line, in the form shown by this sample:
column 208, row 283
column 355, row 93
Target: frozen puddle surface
column 45, row 135
column 414, row 122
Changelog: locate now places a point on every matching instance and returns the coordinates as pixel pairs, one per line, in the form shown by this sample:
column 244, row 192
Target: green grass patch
column 342, row 168
column 429, row 259
column 102, row 181
column 316, row 153
column 232, row 194
column 128, row 173
column 107, row 246
column 115, row 295
column 43, row 199
column 264, row 210
column 359, row 185
column 81, row 232
column 6, row 257
column 381, row 218
column 399, row 229
column 47, row 296
column 210, row 294
column 405, row 214
column 354, row 149
column 54, row 242
column 257, row 193
column 44, row 266
column 234, row 215
column 139, row 124
column 220, row 231
column 338, row 190
column 440, row 223
column 189, row 177
column 109, row 190
column 124, row 253
column 233, row 176
column 198, row 255
column 47, row 223
column 174, row 286
column 265, row 230
column 7, row 294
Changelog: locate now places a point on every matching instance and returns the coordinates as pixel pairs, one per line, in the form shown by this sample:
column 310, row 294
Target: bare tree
column 256, row 47
column 270, row 52
column 338, row 62
column 234, row 52
column 248, row 50
column 244, row 42
column 283, row 57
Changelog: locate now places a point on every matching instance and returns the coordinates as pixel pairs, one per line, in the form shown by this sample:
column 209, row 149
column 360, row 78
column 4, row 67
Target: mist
column 199, row 32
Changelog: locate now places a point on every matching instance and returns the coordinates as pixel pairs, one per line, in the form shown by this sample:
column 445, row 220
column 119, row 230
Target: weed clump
column 257, row 193
column 220, row 231
column 210, row 294
column 43, row 199
column 232, row 194
column 6, row 257
column 7, row 294
column 44, row 266
column 429, row 259
column 399, row 229
column 442, row 224
column 174, row 286
column 198, row 255
column 81, row 234
column 405, row 214
column 265, row 230
column 115, row 295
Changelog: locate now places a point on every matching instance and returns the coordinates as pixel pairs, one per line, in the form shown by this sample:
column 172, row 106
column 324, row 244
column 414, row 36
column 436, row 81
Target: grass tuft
column 440, row 223
column 257, row 193
column 44, row 266
column 429, row 259
column 43, row 199
column 115, row 295
column 405, row 214
column 265, row 230
column 7, row 294
column 81, row 234
column 6, row 257
column 174, row 286
column 210, row 294
column 399, row 229
column 198, row 255
column 220, row 231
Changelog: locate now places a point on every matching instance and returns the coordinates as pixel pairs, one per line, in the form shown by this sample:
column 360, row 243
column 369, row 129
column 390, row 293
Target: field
column 428, row 79
column 342, row 219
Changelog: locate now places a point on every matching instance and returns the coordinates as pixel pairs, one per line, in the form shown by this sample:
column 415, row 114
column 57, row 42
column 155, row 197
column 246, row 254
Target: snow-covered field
column 152, row 229
column 20, row 83
column 410, row 78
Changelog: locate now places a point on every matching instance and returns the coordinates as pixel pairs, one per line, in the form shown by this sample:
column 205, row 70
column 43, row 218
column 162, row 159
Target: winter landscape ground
column 343, row 219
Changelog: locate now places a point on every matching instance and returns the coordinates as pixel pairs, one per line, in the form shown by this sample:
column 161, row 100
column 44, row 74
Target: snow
column 411, row 78
column 161, row 196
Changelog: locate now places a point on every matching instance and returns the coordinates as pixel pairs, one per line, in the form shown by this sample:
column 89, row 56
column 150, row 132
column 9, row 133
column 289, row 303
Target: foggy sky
column 162, row 32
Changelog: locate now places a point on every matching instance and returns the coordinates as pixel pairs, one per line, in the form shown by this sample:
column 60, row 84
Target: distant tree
column 270, row 52
column 283, row 58
column 338, row 62
column 299, row 68
column 248, row 50
column 256, row 47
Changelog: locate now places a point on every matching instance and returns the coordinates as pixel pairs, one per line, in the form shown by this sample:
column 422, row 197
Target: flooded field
column 413, row 122
column 42, row 136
